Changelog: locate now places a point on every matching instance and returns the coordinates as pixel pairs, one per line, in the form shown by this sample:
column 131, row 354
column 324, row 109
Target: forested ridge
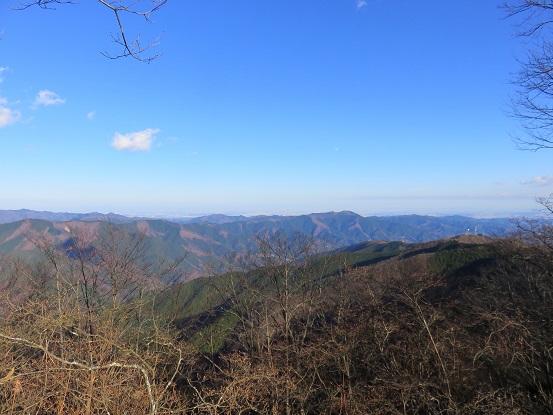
column 460, row 325
column 204, row 242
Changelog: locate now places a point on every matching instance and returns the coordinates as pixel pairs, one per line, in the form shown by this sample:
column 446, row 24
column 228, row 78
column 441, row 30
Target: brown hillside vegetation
column 459, row 326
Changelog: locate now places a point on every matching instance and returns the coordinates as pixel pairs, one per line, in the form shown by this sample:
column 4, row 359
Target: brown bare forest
column 458, row 326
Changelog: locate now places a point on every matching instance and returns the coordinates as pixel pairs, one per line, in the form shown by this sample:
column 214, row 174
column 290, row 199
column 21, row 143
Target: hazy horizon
column 176, row 214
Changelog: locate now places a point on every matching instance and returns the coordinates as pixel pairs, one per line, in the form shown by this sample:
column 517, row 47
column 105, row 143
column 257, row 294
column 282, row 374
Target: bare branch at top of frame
column 134, row 48
column 43, row 4
column 532, row 101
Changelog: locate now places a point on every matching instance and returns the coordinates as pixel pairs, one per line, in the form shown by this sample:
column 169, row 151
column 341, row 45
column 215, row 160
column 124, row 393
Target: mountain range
column 206, row 240
column 7, row 216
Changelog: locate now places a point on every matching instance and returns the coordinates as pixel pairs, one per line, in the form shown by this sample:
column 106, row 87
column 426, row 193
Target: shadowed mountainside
column 457, row 325
column 204, row 243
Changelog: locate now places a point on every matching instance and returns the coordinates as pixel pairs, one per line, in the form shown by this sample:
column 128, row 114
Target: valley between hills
column 205, row 240
column 329, row 313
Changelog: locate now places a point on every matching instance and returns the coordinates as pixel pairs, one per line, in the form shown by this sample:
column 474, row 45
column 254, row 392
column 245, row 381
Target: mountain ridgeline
column 205, row 240
column 458, row 325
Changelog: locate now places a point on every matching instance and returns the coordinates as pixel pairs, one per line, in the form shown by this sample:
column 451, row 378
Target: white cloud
column 7, row 115
column 361, row 4
column 538, row 181
column 91, row 115
column 46, row 98
column 2, row 69
column 136, row 141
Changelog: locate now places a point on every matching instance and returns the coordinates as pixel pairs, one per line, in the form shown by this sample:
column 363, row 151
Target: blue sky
column 276, row 107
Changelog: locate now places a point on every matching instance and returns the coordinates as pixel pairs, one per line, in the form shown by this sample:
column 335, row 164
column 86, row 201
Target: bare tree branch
column 532, row 103
column 134, row 48
column 43, row 4
column 80, row 366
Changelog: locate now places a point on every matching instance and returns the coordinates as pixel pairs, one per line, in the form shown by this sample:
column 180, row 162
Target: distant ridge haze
column 316, row 224
column 7, row 216
column 207, row 239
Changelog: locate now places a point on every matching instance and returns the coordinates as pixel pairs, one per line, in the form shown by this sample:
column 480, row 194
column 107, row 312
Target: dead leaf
column 9, row 376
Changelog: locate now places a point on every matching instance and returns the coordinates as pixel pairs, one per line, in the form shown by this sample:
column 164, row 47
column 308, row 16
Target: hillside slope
column 205, row 243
